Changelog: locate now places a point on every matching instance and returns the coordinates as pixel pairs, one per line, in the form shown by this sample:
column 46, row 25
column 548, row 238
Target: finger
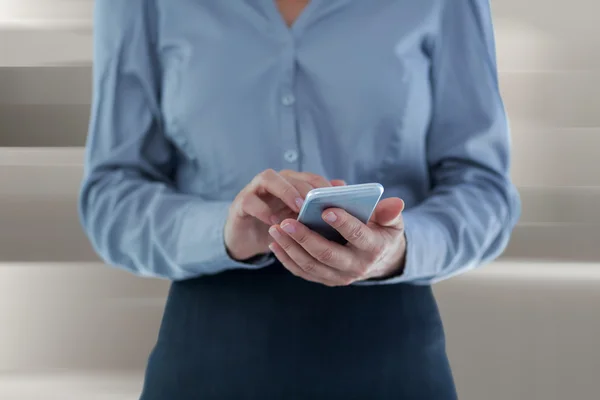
column 295, row 269
column 302, row 186
column 315, row 180
column 326, row 252
column 338, row 182
column 254, row 206
column 275, row 184
column 283, row 215
column 354, row 231
column 388, row 213
column 281, row 209
column 305, row 261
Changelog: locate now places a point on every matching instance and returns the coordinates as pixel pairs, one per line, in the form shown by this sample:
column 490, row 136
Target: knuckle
column 266, row 176
column 286, row 245
column 326, row 255
column 245, row 202
column 303, row 237
column 288, row 190
column 269, row 172
column 341, row 223
column 308, row 266
column 356, row 233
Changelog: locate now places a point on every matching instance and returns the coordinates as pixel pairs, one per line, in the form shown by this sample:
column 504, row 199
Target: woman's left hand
column 374, row 250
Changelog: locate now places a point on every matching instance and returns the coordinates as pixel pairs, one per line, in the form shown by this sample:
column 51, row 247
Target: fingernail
column 330, row 217
column 299, row 202
column 274, row 220
column 289, row 228
column 274, row 233
column 272, row 247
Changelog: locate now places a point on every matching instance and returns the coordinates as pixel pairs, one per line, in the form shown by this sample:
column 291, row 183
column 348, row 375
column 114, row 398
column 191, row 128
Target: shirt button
column 290, row 156
column 288, row 100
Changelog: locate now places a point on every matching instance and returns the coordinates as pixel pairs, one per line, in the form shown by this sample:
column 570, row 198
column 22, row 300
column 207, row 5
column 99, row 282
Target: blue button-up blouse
column 193, row 98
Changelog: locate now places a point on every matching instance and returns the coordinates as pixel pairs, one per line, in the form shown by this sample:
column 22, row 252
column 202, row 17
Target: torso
column 241, row 92
column 327, row 82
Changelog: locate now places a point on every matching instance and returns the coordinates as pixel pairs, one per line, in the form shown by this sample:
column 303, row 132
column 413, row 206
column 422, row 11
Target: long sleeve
column 129, row 206
column 472, row 207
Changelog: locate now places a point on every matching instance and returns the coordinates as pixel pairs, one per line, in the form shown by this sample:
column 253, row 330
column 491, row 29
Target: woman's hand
column 270, row 198
column 374, row 250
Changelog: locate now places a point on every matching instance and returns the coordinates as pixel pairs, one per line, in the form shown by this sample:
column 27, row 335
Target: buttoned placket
column 289, row 128
column 288, row 102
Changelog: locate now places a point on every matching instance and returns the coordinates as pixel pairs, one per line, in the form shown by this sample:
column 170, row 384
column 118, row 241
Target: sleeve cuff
column 425, row 250
column 203, row 234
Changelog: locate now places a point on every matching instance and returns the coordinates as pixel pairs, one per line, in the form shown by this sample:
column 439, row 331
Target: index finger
column 275, row 184
column 314, row 180
column 302, row 186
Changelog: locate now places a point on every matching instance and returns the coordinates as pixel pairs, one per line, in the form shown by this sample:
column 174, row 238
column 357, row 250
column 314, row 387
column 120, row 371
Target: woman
column 211, row 120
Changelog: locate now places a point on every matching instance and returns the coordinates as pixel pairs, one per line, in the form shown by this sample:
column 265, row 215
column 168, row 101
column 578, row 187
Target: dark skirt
column 268, row 335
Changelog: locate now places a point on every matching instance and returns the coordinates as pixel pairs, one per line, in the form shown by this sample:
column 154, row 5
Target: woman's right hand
column 267, row 200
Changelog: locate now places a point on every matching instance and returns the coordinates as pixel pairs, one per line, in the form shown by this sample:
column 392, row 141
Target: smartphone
column 358, row 200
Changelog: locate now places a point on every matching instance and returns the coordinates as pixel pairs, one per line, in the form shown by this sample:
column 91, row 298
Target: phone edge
column 340, row 189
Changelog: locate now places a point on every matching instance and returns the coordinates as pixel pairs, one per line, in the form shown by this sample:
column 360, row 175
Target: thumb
column 388, row 213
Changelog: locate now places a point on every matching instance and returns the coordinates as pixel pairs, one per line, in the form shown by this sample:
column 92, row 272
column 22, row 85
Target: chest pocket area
column 173, row 103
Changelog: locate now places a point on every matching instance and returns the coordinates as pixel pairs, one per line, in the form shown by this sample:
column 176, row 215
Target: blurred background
column 524, row 327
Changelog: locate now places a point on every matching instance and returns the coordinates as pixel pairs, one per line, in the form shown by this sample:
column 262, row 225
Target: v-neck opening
column 300, row 20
